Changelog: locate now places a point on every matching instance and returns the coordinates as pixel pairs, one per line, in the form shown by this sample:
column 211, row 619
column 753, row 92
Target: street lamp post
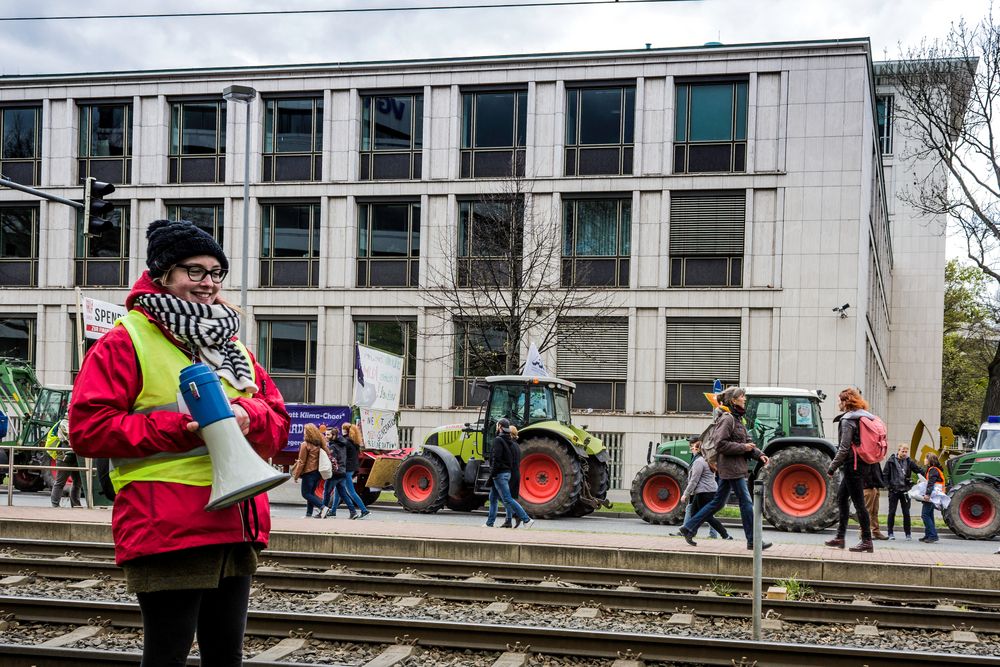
column 244, row 95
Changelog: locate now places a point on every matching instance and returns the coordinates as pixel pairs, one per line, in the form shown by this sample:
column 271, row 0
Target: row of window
column 710, row 135
column 591, row 353
column 706, row 242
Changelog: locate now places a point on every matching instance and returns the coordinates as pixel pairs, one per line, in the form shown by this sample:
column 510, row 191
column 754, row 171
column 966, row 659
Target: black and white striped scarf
column 207, row 330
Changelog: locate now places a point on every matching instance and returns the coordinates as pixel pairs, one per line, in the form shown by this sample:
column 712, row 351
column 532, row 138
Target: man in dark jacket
column 503, row 455
column 898, row 476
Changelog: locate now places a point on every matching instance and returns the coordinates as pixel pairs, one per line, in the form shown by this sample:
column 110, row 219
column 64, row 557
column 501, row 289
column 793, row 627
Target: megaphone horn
column 238, row 472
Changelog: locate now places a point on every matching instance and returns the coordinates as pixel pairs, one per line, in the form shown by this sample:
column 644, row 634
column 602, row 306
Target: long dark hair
column 933, row 461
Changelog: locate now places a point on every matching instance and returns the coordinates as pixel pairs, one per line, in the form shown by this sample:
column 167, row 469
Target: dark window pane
column 198, row 170
column 706, row 272
column 571, row 162
column 388, row 273
column 522, row 118
column 20, row 172
column 571, row 113
column 596, row 272
column 680, row 119
column 19, row 133
column 693, row 397
column 712, row 157
column 288, row 347
column 736, row 272
column 200, row 129
column 494, row 120
column 596, row 161
column 679, row 152
column 466, row 171
column 294, row 125
column 600, row 116
column 619, row 396
column 627, row 153
column 292, row 389
column 739, row 163
column 291, row 231
column 103, row 272
column 711, row 112
column 16, row 336
column 292, row 168
column 595, row 395
column 391, row 166
column 393, row 123
column 676, row 271
column 672, row 397
column 597, row 227
column 288, row 273
column 389, row 230
column 17, row 274
column 17, row 232
column 109, row 171
column 493, row 164
column 629, row 120
column 107, row 131
column 741, row 111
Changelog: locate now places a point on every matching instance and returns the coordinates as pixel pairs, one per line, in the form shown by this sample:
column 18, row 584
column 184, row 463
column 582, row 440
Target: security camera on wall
column 842, row 310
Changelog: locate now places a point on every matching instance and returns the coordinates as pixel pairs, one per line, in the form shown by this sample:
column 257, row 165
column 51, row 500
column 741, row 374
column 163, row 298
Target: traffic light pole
column 38, row 193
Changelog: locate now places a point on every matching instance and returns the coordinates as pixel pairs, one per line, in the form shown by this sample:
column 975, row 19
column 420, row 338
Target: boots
column 863, row 546
column 838, row 542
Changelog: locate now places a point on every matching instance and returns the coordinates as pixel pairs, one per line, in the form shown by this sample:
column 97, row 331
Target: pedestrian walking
column 503, row 456
column 852, row 408
column 57, row 438
column 898, row 475
column 701, row 489
column 306, row 468
column 872, row 483
column 343, row 484
column 934, row 476
column 734, row 448
column 190, row 568
column 712, row 532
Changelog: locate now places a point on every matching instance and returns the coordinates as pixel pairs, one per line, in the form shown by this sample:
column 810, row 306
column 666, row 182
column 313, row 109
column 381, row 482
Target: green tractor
column 974, row 512
column 787, row 425
column 564, row 469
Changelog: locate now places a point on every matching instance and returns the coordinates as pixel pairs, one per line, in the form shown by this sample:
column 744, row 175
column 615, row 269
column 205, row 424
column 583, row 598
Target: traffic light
column 95, row 208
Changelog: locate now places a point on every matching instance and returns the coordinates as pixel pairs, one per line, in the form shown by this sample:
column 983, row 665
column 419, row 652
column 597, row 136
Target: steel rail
column 490, row 637
column 905, row 617
column 584, row 576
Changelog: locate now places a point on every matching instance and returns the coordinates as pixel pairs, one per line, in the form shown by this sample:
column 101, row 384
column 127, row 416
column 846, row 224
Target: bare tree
column 502, row 278
column 950, row 101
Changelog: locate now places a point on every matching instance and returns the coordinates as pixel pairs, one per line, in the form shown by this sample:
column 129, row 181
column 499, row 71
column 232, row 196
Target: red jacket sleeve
column 101, row 423
column 269, row 421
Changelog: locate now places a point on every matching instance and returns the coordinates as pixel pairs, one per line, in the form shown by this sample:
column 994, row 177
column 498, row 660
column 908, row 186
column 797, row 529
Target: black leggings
column 698, row 501
column 219, row 615
column 852, row 492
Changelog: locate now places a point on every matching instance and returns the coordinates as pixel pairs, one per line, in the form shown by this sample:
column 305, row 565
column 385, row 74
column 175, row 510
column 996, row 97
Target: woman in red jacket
column 191, row 569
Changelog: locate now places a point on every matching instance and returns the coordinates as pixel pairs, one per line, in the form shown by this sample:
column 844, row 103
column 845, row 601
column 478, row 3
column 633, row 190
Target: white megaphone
column 238, row 472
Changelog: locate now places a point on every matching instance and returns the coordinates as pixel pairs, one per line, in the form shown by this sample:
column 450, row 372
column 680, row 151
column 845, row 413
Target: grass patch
column 722, row 589
column 797, row 590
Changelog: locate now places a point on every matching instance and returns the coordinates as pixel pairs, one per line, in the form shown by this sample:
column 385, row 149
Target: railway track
column 454, row 635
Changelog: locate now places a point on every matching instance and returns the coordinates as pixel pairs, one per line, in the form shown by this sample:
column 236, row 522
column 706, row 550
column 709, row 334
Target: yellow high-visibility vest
column 161, row 362
column 52, row 442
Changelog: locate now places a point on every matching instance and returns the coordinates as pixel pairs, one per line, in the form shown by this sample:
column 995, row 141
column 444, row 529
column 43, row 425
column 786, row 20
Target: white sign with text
column 379, row 429
column 378, row 378
column 99, row 317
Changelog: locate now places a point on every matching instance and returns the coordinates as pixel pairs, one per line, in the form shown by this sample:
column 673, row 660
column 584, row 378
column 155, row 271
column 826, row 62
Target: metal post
column 246, row 231
column 758, row 537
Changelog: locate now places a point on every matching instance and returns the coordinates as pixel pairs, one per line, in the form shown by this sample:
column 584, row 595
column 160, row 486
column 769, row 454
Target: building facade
column 724, row 201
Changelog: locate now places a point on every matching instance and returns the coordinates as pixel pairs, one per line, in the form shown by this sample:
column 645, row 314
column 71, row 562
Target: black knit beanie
column 172, row 241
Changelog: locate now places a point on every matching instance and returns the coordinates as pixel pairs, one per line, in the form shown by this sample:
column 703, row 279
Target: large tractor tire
column 421, row 484
column 974, row 512
column 466, row 502
column 551, row 478
column 367, row 495
column 798, row 494
column 596, row 483
column 656, row 493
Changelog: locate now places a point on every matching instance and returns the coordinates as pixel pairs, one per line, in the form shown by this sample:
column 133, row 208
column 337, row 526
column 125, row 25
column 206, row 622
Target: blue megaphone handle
column 204, row 395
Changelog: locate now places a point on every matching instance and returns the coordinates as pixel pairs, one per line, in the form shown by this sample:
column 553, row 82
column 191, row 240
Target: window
column 490, row 240
column 198, row 142
column 106, row 142
column 18, row 246
column 711, row 127
column 287, row 351
column 208, row 217
column 389, row 244
column 494, row 131
column 480, row 351
column 392, row 128
column 596, row 242
column 102, row 259
column 395, row 337
column 289, row 245
column 884, row 109
column 293, row 140
column 593, row 353
column 21, row 148
column 600, row 124
column 17, row 337
column 706, row 238
column 74, row 348
column 699, row 351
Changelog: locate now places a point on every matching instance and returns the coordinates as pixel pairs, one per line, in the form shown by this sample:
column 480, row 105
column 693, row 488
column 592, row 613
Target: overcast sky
column 29, row 47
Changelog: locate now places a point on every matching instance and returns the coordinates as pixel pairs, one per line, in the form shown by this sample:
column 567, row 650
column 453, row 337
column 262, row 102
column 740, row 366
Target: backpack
column 874, row 443
column 327, row 465
column 710, row 440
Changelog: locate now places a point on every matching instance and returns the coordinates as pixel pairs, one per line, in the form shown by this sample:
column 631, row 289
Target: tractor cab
column 783, row 413
column 525, row 401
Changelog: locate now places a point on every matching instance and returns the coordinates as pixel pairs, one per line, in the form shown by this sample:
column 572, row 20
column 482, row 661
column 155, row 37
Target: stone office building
column 740, row 194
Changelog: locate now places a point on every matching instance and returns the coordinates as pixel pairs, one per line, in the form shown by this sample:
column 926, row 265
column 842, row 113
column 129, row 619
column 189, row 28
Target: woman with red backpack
column 852, row 408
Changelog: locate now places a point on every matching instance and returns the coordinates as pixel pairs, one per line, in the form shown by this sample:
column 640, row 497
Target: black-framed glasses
column 197, row 273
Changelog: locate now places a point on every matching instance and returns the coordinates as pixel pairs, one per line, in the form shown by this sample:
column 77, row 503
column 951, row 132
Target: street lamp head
column 241, row 94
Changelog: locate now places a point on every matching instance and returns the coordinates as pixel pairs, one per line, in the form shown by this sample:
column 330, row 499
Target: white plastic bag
column 939, row 498
column 325, row 465
column 918, row 490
